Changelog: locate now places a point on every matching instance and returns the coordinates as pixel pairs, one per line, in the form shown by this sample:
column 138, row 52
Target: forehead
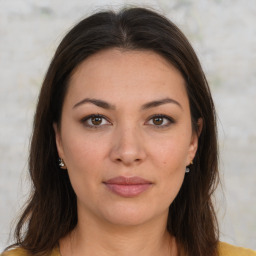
column 118, row 74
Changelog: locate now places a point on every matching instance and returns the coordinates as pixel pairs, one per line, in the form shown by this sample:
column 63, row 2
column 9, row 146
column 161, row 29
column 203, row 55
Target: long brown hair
column 51, row 211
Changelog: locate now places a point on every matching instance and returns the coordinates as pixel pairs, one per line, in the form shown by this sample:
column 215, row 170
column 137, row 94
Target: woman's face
column 126, row 136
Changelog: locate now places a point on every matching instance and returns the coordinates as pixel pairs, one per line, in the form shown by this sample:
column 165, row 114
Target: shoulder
column 16, row 252
column 22, row 252
column 230, row 250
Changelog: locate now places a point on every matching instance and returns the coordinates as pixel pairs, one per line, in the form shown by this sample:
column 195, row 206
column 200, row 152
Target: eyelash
column 85, row 119
column 169, row 119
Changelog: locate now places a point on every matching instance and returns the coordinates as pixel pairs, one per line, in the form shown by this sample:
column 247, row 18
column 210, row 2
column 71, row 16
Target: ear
column 58, row 140
column 194, row 141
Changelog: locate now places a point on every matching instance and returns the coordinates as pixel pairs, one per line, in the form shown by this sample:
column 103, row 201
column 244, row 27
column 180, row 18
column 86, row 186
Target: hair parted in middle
column 51, row 211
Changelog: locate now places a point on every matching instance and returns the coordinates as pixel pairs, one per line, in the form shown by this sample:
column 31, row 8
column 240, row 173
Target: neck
column 97, row 238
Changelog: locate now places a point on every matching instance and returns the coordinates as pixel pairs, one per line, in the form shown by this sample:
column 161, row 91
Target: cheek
column 170, row 153
column 84, row 158
column 82, row 150
column 170, row 162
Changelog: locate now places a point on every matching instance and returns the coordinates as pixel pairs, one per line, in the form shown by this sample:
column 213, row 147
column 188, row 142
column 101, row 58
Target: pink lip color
column 128, row 186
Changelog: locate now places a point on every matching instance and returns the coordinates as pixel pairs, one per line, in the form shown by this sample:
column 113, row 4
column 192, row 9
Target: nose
column 128, row 147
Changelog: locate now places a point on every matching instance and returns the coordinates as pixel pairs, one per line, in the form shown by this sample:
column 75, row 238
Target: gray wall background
column 223, row 33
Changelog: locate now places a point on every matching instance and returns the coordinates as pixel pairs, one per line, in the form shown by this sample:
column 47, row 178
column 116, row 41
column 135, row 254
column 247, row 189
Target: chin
column 129, row 216
column 127, row 220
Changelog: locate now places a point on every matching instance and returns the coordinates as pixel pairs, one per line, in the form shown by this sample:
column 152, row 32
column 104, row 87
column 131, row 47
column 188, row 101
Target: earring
column 62, row 164
column 187, row 168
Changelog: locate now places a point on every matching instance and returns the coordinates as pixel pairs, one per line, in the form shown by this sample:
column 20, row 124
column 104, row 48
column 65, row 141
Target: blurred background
column 223, row 33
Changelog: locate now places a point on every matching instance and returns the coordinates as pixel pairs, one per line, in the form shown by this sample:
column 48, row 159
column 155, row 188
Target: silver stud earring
column 187, row 168
column 62, row 164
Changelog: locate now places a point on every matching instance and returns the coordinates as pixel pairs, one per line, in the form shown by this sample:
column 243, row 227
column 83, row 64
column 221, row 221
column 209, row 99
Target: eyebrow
column 157, row 103
column 106, row 105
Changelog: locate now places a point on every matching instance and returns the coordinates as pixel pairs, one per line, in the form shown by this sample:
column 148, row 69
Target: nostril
column 127, row 161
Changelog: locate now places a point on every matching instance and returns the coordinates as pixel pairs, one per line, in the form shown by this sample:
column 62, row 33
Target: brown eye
column 161, row 121
column 158, row 120
column 96, row 120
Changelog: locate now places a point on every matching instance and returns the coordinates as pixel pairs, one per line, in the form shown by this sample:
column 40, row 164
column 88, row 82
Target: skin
column 128, row 142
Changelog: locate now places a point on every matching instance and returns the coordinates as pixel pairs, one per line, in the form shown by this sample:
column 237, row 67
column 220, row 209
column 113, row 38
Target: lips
column 128, row 186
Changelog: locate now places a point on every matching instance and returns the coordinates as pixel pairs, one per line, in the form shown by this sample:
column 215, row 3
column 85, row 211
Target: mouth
column 128, row 186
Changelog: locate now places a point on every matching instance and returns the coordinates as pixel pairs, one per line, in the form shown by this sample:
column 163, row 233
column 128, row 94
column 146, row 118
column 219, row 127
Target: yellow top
column 230, row 250
column 22, row 252
column 224, row 250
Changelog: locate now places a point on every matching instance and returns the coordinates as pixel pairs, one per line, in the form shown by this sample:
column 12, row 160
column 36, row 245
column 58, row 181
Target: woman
column 124, row 153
